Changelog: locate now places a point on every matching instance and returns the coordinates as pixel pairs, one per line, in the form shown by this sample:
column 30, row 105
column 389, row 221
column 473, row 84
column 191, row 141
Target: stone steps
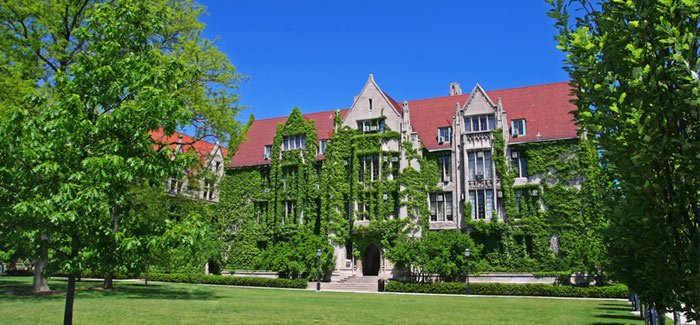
column 356, row 283
column 360, row 279
column 335, row 286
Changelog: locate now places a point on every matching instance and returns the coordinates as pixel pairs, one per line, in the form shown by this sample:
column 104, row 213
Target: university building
column 200, row 182
column 436, row 163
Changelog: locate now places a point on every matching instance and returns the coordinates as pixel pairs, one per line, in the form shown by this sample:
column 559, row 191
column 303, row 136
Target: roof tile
column 546, row 108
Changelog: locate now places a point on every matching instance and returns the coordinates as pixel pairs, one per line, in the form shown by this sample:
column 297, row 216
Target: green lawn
column 133, row 303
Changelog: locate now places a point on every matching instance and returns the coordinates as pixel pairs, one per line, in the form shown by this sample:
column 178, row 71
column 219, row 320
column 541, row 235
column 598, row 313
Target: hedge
column 228, row 280
column 501, row 289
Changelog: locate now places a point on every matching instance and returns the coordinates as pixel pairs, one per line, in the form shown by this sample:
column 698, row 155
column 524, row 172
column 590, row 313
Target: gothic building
column 340, row 171
column 201, row 182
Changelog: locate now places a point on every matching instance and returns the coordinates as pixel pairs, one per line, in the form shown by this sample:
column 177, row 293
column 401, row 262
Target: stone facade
column 455, row 131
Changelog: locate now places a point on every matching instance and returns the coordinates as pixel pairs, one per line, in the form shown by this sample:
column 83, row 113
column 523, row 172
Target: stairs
column 351, row 283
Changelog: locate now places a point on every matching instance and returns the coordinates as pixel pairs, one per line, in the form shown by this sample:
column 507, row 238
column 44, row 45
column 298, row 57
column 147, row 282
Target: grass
column 161, row 303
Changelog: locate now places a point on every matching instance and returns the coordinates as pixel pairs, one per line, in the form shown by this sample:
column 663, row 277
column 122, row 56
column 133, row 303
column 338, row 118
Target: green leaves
column 87, row 81
column 634, row 65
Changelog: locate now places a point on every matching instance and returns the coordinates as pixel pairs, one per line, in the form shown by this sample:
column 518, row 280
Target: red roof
column 427, row 115
column 202, row 148
column 546, row 109
column 262, row 133
column 397, row 106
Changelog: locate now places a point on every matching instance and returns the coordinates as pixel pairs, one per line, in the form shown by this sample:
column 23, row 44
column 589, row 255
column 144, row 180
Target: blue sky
column 317, row 54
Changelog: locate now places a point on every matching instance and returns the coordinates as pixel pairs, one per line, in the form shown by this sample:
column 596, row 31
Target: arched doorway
column 371, row 261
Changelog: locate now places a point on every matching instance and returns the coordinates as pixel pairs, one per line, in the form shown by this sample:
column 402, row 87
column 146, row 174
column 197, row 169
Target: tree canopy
column 87, row 83
column 634, row 67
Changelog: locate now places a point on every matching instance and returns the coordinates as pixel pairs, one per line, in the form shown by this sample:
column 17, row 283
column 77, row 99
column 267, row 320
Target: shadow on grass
column 616, row 308
column 21, row 290
column 158, row 291
column 620, row 317
column 616, row 304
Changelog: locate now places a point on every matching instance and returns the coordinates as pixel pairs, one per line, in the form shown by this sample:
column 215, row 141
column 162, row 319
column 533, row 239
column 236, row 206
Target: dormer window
column 479, row 123
column 517, row 127
column 371, row 126
column 295, row 142
column 322, row 147
column 267, row 152
column 444, row 135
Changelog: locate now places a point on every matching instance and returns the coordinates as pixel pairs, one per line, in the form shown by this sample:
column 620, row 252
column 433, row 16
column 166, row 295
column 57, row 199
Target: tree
column 93, row 79
column 634, row 68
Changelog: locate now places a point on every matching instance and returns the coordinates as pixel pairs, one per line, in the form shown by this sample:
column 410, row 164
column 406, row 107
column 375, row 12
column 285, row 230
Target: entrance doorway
column 371, row 261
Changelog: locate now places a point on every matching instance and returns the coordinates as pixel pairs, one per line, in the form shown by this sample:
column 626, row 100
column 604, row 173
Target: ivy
column 564, row 206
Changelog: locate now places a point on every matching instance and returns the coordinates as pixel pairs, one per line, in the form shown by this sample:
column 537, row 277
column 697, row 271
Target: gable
column 479, row 103
column 373, row 103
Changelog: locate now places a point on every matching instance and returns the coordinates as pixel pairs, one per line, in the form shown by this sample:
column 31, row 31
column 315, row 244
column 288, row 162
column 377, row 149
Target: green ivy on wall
column 563, row 212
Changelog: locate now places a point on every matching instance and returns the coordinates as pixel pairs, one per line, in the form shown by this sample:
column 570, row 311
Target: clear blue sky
column 317, row 54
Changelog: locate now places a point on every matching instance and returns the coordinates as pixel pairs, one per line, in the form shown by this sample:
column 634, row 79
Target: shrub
column 501, row 289
column 19, row 272
column 228, row 280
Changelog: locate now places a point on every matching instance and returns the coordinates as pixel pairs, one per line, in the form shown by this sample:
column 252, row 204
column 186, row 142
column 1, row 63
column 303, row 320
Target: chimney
column 455, row 89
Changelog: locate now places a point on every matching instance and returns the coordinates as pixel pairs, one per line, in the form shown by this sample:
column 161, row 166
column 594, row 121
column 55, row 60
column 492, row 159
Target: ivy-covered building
column 358, row 177
column 200, row 182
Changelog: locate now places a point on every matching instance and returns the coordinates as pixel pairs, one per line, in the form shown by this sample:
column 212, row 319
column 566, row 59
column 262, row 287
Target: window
column 207, row 192
column 260, row 209
column 362, row 211
column 445, row 135
column 445, row 165
column 174, row 186
column 441, row 206
column 294, row 142
column 482, row 203
column 319, row 171
column 371, row 126
column 479, row 123
column 480, row 165
column 370, row 104
column 267, row 153
column 517, row 127
column 369, row 168
column 289, row 212
column 518, row 199
column 265, row 175
column 217, row 167
column 288, row 176
column 322, row 147
column 394, row 167
column 519, row 164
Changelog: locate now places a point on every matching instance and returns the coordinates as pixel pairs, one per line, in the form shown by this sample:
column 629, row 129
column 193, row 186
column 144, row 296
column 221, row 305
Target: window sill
column 435, row 225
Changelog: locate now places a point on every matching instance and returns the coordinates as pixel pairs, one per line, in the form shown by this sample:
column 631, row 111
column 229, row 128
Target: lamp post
column 319, row 252
column 469, row 288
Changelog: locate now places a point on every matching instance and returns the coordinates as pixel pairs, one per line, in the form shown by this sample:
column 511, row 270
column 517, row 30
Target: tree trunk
column 70, row 297
column 109, row 281
column 40, row 282
column 661, row 318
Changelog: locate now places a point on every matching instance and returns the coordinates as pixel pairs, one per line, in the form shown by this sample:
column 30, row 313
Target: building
column 202, row 181
column 439, row 163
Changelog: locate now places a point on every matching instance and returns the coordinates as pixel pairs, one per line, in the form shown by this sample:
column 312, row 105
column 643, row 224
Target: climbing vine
column 357, row 194
column 556, row 224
